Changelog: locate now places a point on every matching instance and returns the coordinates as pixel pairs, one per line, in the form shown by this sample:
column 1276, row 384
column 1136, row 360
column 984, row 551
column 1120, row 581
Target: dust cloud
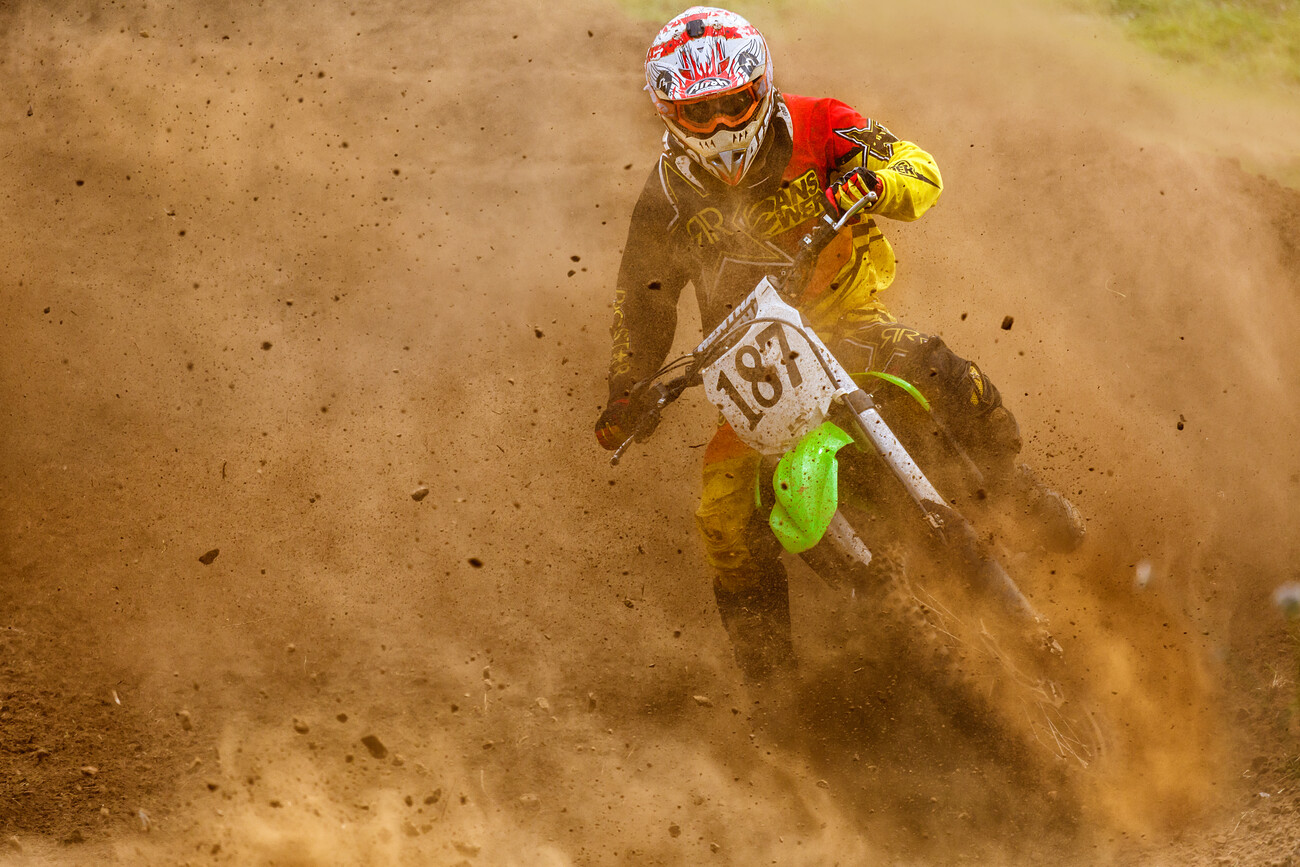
column 272, row 269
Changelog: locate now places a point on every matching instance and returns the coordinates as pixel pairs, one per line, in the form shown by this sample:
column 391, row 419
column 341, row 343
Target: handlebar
column 815, row 242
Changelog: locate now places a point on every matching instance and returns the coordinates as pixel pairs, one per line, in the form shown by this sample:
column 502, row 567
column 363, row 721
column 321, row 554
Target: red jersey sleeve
column 833, row 137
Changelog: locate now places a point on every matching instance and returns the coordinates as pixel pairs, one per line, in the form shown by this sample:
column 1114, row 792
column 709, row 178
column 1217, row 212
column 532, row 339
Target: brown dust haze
column 271, row 268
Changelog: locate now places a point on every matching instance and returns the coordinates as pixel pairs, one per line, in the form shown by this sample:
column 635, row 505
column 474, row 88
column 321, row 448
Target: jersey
column 690, row 227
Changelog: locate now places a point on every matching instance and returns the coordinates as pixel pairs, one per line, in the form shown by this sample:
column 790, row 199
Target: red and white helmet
column 710, row 77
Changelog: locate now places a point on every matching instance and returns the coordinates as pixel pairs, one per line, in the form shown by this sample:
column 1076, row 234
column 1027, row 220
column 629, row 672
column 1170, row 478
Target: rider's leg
column 975, row 415
column 749, row 579
column 969, row 407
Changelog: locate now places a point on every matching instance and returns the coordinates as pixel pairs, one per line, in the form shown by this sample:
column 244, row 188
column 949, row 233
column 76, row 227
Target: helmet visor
column 705, row 116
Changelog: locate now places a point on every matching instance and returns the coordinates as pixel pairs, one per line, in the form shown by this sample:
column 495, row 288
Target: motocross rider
column 745, row 171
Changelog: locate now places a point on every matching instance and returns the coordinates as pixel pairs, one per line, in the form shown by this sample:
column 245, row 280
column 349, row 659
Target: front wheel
column 1004, row 671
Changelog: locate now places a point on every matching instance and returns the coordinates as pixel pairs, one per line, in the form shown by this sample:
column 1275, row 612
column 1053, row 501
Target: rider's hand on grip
column 857, row 184
column 612, row 426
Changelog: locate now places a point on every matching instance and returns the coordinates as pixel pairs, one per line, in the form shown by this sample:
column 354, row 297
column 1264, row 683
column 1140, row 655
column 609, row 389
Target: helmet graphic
column 710, row 78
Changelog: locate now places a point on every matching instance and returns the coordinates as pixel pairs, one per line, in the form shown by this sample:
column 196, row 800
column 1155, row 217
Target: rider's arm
column 650, row 280
column 909, row 175
column 911, row 181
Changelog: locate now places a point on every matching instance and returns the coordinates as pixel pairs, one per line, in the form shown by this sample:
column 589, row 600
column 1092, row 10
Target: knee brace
column 967, row 403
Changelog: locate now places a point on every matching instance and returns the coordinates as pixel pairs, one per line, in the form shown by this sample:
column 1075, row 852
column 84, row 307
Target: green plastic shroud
column 898, row 381
column 807, row 488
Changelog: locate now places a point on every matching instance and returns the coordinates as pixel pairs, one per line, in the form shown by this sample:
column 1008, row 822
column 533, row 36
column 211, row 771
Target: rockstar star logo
column 872, row 138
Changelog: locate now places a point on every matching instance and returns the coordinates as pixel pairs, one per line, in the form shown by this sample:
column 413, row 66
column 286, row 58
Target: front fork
column 857, row 414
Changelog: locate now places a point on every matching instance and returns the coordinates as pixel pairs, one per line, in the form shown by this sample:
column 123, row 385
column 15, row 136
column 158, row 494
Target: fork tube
column 870, row 423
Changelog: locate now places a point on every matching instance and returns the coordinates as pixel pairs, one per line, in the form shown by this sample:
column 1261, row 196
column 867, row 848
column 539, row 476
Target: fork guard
column 806, row 483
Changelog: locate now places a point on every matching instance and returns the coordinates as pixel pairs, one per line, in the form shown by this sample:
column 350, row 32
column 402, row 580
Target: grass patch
column 1255, row 41
column 1251, row 40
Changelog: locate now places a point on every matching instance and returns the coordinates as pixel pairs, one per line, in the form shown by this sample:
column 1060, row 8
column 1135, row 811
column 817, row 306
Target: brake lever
column 667, row 393
column 647, row 426
column 618, row 454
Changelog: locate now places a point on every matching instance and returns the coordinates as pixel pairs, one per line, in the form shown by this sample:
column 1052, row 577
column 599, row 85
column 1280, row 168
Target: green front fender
column 807, row 488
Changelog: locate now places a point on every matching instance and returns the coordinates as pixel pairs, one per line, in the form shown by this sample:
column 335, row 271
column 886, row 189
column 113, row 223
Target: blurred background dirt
column 307, row 554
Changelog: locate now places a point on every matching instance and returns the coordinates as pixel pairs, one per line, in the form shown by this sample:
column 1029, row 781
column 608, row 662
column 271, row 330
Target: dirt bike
column 842, row 475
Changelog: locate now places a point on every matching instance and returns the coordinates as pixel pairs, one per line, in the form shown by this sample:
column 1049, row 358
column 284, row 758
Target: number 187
column 749, row 365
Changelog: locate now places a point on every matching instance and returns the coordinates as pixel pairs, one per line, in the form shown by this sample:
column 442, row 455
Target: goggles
column 708, row 114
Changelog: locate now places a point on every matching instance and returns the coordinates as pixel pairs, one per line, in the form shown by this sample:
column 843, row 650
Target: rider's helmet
column 710, row 77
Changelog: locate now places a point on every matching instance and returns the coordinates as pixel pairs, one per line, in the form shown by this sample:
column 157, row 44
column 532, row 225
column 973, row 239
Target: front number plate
column 770, row 387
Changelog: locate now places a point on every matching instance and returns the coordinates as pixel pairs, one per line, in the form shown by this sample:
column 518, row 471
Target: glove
column 855, row 185
column 610, row 427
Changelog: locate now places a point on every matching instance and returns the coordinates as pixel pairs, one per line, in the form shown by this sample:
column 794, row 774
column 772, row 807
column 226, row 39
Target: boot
column 1058, row 525
column 757, row 620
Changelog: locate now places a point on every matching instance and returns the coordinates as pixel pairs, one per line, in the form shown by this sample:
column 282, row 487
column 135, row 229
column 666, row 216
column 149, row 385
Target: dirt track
column 267, row 274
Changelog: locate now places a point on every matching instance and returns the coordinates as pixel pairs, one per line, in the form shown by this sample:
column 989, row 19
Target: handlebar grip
column 648, row 422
